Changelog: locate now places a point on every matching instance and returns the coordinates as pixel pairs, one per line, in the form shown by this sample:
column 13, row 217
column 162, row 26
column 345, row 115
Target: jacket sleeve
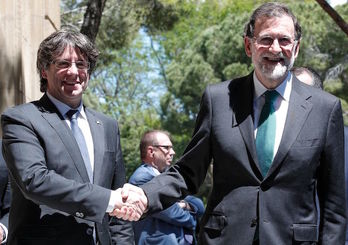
column 331, row 182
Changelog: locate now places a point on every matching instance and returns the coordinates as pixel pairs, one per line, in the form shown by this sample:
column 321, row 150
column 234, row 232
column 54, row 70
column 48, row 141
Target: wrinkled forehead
column 275, row 26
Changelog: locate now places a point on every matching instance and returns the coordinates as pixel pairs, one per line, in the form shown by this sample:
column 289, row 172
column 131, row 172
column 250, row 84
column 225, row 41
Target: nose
column 73, row 68
column 275, row 47
column 171, row 152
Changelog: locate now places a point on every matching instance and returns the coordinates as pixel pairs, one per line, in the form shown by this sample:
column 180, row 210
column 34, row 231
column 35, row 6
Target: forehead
column 163, row 139
column 275, row 26
column 70, row 52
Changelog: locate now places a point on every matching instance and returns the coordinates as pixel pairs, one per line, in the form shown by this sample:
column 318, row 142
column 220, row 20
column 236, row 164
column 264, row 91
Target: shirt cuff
column 112, row 201
column 4, row 228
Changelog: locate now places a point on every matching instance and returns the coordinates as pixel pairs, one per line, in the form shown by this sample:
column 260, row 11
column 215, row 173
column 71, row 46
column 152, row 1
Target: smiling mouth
column 274, row 59
column 72, row 83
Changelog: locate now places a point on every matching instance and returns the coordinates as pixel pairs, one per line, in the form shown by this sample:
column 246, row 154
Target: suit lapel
column 241, row 100
column 56, row 120
column 299, row 108
column 97, row 131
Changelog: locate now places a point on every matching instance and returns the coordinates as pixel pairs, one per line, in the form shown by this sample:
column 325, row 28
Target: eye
column 284, row 41
column 61, row 64
column 265, row 40
column 82, row 64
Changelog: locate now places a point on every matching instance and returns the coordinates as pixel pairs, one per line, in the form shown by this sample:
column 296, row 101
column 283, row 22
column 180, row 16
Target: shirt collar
column 64, row 108
column 283, row 89
column 155, row 170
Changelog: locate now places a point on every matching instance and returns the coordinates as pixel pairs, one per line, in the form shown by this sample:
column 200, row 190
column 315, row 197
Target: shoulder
column 141, row 175
column 21, row 112
column 318, row 96
column 227, row 86
column 100, row 117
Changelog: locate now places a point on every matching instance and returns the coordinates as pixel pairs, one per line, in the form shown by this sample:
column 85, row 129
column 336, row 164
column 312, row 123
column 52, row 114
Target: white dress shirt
column 281, row 106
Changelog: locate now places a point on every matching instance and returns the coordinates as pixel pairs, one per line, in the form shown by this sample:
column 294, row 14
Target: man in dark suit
column 271, row 138
column 346, row 165
column 5, row 200
column 176, row 224
column 65, row 159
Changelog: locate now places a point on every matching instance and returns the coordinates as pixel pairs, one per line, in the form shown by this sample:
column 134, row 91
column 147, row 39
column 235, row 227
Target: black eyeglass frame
column 167, row 147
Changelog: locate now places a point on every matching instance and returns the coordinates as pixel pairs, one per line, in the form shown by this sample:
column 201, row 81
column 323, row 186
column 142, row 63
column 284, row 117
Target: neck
column 271, row 83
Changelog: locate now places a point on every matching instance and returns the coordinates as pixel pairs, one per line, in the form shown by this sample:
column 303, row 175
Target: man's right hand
column 132, row 203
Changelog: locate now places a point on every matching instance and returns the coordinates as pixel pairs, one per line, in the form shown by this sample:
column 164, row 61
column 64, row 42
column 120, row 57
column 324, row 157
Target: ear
column 43, row 73
column 297, row 48
column 150, row 151
column 247, row 46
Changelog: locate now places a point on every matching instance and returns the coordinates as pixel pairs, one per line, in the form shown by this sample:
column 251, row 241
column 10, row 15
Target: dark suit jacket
column 171, row 226
column 5, row 194
column 346, row 165
column 282, row 205
column 47, row 171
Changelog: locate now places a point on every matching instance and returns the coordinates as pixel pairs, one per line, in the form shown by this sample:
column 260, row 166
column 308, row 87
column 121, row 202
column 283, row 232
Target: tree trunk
column 92, row 18
column 334, row 15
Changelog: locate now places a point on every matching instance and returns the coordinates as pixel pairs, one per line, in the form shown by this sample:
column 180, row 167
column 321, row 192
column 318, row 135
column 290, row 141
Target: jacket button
column 89, row 231
column 253, row 222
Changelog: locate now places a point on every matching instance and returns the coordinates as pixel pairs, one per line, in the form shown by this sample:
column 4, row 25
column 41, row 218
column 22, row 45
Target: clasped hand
column 131, row 203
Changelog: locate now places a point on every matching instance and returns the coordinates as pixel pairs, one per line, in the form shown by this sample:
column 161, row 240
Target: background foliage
column 158, row 56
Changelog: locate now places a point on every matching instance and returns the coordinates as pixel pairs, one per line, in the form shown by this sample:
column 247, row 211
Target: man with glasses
column 65, row 159
column 176, row 224
column 270, row 139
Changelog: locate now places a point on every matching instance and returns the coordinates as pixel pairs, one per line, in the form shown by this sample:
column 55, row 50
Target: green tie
column 266, row 132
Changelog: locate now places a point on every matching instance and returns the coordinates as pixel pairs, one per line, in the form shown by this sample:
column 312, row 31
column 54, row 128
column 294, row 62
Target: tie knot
column 271, row 96
column 72, row 114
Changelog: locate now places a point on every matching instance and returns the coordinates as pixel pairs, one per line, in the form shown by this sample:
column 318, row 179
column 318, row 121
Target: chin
column 275, row 73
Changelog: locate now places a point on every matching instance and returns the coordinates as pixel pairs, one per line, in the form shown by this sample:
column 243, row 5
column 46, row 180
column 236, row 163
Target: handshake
column 131, row 203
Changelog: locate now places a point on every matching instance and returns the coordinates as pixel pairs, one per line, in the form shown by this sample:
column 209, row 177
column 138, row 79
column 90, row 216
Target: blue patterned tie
column 266, row 132
column 80, row 139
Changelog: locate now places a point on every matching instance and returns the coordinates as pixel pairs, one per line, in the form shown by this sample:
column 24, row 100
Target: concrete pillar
column 24, row 24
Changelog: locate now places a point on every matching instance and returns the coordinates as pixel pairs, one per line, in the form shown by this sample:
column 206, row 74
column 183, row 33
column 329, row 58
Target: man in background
column 308, row 76
column 64, row 159
column 176, row 224
column 5, row 199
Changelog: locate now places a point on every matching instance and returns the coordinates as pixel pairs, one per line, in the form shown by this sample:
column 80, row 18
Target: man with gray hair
column 64, row 158
column 273, row 142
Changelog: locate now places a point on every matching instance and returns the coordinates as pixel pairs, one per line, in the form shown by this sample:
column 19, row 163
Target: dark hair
column 271, row 10
column 149, row 138
column 55, row 44
column 316, row 79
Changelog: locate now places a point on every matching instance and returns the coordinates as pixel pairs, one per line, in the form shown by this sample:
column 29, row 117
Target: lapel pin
column 98, row 122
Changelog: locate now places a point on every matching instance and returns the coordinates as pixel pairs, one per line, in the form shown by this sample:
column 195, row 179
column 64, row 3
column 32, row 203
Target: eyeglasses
column 65, row 64
column 267, row 41
column 167, row 147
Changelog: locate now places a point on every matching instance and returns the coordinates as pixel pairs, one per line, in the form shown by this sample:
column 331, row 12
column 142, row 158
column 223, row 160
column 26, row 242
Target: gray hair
column 55, row 44
column 271, row 10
